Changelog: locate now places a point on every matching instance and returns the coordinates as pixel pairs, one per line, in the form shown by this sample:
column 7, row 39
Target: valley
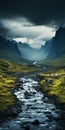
column 24, row 86
column 32, row 84
column 32, row 65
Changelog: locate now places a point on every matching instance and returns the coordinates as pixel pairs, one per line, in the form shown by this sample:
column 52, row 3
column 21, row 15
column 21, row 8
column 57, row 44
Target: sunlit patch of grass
column 58, row 88
column 6, row 97
column 54, row 84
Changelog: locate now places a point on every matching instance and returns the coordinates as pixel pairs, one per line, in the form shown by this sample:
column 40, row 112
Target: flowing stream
column 37, row 111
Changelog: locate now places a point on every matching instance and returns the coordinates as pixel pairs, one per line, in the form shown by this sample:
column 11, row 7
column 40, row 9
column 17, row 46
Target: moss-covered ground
column 54, row 83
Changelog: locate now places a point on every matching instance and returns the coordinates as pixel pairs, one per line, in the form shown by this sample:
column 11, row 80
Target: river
column 37, row 111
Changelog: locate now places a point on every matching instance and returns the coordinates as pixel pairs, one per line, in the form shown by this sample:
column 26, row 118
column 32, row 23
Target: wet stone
column 36, row 122
column 47, row 112
column 25, row 126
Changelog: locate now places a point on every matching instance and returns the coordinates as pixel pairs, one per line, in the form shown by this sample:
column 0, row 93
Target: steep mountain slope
column 56, row 54
column 58, row 44
column 9, row 50
column 47, row 47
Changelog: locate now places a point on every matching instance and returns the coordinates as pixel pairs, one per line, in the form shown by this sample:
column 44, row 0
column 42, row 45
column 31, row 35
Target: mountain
column 58, row 44
column 47, row 47
column 9, row 50
column 18, row 52
column 33, row 54
column 57, row 52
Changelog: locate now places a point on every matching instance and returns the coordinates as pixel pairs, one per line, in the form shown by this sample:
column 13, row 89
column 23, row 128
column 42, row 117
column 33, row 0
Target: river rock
column 36, row 122
column 27, row 95
column 25, row 125
column 47, row 112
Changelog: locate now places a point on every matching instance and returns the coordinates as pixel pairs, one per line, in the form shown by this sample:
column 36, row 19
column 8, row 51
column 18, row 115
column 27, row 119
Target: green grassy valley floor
column 9, row 80
column 53, row 82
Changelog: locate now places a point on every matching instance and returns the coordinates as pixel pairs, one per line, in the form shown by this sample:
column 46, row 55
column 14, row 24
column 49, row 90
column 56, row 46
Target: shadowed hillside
column 9, row 50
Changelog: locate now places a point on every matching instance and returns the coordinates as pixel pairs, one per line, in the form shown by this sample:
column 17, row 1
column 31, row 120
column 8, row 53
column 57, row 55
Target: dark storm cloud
column 37, row 11
column 32, row 21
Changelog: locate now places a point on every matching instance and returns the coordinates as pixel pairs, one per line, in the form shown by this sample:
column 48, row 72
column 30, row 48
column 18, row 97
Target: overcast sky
column 31, row 21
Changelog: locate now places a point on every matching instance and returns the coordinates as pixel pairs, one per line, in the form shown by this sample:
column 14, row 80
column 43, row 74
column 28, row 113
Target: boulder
column 36, row 122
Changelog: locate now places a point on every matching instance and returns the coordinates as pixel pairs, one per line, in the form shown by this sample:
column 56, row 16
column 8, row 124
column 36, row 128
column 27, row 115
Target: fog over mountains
column 33, row 54
column 53, row 48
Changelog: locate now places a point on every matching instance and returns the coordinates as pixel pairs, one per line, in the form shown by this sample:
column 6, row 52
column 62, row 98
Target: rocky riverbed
column 37, row 111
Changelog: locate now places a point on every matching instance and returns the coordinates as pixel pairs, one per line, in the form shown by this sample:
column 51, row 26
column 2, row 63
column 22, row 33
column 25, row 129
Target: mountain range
column 52, row 51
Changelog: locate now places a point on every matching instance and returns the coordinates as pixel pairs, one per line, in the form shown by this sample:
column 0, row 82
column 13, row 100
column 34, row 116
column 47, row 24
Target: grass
column 54, row 84
column 8, row 80
column 6, row 97
column 56, row 62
